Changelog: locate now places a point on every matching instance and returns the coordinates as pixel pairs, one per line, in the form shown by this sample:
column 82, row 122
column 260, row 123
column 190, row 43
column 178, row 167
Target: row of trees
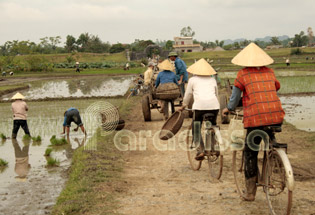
column 92, row 43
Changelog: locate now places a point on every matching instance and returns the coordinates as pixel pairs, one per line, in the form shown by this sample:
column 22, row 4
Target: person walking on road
column 19, row 109
column 261, row 104
column 181, row 71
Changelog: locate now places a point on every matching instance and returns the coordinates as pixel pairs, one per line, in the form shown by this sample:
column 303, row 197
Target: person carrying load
column 166, row 86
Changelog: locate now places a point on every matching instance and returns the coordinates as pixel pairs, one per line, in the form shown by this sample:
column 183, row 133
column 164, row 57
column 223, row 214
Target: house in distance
column 185, row 44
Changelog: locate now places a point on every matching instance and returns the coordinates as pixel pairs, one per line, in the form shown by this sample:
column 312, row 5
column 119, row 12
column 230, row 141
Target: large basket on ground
column 167, row 91
column 172, row 125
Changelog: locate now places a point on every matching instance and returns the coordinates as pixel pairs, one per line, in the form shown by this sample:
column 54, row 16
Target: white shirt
column 204, row 91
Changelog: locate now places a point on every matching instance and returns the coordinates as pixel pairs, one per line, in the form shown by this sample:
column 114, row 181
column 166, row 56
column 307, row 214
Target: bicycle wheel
column 238, row 171
column 278, row 196
column 192, row 150
column 215, row 159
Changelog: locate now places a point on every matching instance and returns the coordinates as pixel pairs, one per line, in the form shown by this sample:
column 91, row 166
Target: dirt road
column 161, row 182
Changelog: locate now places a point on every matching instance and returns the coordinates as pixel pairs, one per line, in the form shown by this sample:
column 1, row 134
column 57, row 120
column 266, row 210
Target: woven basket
column 167, row 91
column 172, row 125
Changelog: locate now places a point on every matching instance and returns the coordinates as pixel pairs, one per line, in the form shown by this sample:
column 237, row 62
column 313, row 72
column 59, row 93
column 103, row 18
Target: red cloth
column 261, row 103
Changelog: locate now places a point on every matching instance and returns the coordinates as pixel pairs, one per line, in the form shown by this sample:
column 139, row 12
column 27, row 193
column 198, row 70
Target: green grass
column 95, row 176
column 52, row 162
column 304, row 84
column 48, row 151
column 58, row 142
column 3, row 163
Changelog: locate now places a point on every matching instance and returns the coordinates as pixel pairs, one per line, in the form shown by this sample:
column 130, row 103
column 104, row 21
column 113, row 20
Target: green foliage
column 3, row 163
column 36, row 63
column 140, row 45
column 70, row 43
column 275, row 41
column 58, row 142
column 70, row 59
column 299, row 40
column 116, row 48
column 169, row 45
column 296, row 51
column 52, row 162
column 2, row 136
column 48, row 151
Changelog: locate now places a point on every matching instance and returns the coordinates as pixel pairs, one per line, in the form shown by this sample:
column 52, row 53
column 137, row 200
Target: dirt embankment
column 161, row 182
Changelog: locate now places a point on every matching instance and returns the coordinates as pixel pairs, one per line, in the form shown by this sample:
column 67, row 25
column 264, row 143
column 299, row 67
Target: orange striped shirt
column 261, row 103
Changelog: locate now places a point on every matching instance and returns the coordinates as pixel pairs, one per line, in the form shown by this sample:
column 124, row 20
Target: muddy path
column 161, row 182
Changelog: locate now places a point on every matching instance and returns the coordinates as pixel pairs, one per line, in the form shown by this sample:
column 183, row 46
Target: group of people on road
column 255, row 84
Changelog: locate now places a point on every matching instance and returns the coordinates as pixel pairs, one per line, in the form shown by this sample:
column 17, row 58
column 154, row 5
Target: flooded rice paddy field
column 79, row 87
column 300, row 111
column 36, row 193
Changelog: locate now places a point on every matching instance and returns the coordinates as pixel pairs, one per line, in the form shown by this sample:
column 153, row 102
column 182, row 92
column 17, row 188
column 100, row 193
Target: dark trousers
column 250, row 156
column 197, row 122
column 17, row 123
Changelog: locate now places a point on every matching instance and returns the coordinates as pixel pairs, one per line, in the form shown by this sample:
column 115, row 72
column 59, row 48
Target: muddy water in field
column 300, row 111
column 36, row 193
column 87, row 87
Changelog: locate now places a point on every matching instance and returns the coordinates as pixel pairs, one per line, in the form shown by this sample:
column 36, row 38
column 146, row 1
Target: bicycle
column 212, row 148
column 275, row 173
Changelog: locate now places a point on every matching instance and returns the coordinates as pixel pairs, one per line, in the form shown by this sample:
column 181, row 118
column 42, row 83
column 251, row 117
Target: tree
column 169, row 45
column 187, row 32
column 140, row 45
column 300, row 40
column 70, row 43
column 83, row 41
column 275, row 41
column 116, row 48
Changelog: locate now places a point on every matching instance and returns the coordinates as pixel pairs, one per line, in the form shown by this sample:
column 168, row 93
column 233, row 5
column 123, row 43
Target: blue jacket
column 180, row 67
column 165, row 76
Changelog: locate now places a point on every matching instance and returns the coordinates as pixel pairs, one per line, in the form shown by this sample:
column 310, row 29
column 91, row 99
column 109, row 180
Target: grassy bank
column 94, row 177
column 12, row 88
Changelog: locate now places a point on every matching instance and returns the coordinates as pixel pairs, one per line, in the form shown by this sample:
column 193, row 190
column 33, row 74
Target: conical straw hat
column 166, row 65
column 252, row 56
column 201, row 67
column 18, row 96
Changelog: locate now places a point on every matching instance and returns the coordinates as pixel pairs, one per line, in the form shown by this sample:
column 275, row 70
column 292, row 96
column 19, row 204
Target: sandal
column 200, row 156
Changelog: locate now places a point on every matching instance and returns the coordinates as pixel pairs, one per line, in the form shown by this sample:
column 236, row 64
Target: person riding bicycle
column 261, row 104
column 202, row 87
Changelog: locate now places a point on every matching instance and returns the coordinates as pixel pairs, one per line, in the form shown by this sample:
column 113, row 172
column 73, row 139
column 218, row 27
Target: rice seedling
column 48, row 152
column 26, row 137
column 3, row 163
column 58, row 142
column 37, row 140
column 52, row 162
column 2, row 136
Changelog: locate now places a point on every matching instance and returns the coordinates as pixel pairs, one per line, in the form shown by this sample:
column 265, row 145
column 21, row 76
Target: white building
column 185, row 44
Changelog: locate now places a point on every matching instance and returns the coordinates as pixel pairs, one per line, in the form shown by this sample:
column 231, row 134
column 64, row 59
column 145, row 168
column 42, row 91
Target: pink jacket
column 19, row 109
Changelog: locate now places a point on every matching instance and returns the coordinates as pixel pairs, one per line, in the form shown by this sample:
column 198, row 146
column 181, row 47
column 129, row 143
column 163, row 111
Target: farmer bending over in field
column 261, row 104
column 72, row 115
column 19, row 109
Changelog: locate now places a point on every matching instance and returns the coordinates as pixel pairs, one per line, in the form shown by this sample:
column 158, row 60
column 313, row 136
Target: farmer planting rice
column 19, row 109
column 261, row 104
column 202, row 87
column 72, row 115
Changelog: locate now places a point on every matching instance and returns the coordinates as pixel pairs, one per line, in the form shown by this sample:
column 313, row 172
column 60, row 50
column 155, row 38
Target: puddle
column 300, row 111
column 39, row 191
column 87, row 87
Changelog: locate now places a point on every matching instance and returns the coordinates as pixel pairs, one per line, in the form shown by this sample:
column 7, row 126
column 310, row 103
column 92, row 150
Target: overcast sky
column 126, row 20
